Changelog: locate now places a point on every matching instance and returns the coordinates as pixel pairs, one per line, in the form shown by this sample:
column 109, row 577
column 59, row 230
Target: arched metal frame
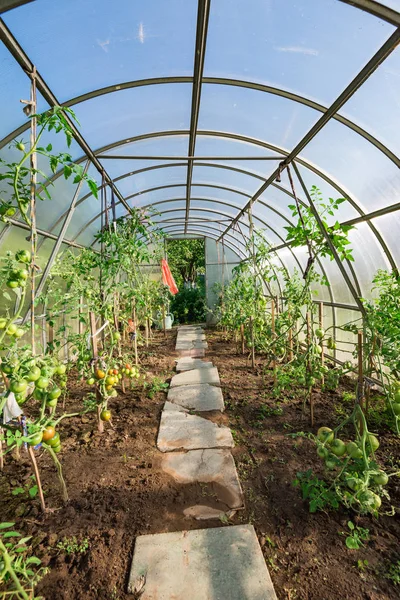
column 197, row 80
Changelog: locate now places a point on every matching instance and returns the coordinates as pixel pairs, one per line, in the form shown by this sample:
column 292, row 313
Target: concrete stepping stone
column 200, row 398
column 182, row 431
column 187, row 364
column 207, row 466
column 193, row 352
column 221, row 563
column 174, row 407
column 196, row 376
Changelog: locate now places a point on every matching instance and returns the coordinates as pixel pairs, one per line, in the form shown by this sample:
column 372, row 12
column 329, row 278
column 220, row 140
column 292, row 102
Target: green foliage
column 319, row 495
column 308, row 228
column 19, row 572
column 393, row 572
column 186, row 259
column 357, row 536
column 154, row 386
column 73, row 546
column 188, row 306
column 17, row 174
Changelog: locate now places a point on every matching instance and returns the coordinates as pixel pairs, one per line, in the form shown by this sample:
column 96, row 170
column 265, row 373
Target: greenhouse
column 200, row 300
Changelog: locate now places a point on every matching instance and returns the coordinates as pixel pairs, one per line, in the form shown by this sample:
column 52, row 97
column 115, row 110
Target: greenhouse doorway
column 186, row 259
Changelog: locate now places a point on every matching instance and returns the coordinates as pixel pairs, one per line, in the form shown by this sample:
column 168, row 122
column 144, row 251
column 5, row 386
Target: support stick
column 163, row 318
column 135, row 333
column 309, row 368
column 360, row 386
column 273, row 337
column 321, row 326
column 242, row 337
column 37, row 477
column 253, row 355
column 95, row 354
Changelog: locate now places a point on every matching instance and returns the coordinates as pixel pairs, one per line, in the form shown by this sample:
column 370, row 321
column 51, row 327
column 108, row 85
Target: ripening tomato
column 99, row 374
column 48, row 433
column 105, row 415
column 35, row 439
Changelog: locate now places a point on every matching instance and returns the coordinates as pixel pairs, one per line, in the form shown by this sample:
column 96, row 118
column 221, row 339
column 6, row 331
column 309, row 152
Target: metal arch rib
column 26, row 64
column 228, row 82
column 377, row 10
column 384, row 51
column 305, row 163
column 203, row 13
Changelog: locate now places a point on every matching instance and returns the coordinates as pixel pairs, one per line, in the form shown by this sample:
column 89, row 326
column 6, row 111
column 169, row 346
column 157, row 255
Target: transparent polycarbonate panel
column 134, row 112
column 254, row 114
column 14, row 87
column 241, row 182
column 375, row 106
column 345, row 340
column 389, row 226
column 217, row 253
column 215, row 274
column 345, row 211
column 81, row 46
column 368, row 256
column 313, row 48
column 224, row 144
column 371, row 178
column 147, row 180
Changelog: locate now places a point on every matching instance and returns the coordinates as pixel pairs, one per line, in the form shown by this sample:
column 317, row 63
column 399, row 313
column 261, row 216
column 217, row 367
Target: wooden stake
column 360, row 387
column 290, row 344
column 146, row 326
column 95, row 354
column 51, row 338
column 273, row 336
column 80, row 312
column 321, row 326
column 309, row 368
column 242, row 337
column 253, row 353
column 135, row 333
column 37, row 477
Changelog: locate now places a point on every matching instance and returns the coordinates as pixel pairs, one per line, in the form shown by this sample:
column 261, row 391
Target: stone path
column 222, row 563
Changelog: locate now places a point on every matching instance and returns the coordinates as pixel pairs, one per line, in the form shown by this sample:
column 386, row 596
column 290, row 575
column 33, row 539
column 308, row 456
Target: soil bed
column 117, row 491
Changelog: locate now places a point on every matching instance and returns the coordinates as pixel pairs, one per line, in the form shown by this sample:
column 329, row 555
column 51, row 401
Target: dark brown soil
column 117, row 492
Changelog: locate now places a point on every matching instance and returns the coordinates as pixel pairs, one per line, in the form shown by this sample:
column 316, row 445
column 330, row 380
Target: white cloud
column 298, row 50
column 104, row 45
column 141, row 34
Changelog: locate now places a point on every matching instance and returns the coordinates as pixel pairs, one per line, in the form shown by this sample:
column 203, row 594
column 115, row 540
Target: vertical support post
column 51, row 339
column 253, row 354
column 35, row 469
column 95, row 355
column 80, row 313
column 321, row 326
column 135, row 333
column 360, row 383
column 242, row 337
column 33, row 166
column 290, row 334
column 311, row 399
column 273, row 337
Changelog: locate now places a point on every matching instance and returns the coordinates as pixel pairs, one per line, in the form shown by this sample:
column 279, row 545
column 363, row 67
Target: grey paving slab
column 221, row 563
column 174, row 407
column 182, row 431
column 200, row 344
column 193, row 352
column 187, row 364
column 201, row 512
column 207, row 466
column 202, row 397
column 196, row 376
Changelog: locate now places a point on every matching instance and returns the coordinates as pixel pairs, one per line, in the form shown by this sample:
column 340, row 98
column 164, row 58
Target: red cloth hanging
column 167, row 277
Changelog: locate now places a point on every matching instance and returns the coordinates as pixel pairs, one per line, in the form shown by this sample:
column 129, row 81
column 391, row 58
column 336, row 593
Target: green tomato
column 23, row 256
column 373, row 441
column 325, row 434
column 13, row 283
column 18, row 386
column 116, row 336
column 91, row 381
column 396, row 408
column 55, row 440
column 63, row 384
column 353, row 483
column 11, row 329
column 54, row 393
column 20, row 146
column 33, row 374
column 36, row 439
column 397, row 397
column 19, row 333
column 330, row 464
column 318, row 349
column 21, row 274
column 42, row 383
column 51, row 403
column 20, row 398
column 380, row 478
column 338, row 447
column 319, row 333
column 57, row 449
column 353, row 450
column 322, row 452
column 61, row 370
column 3, row 323
column 39, row 395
